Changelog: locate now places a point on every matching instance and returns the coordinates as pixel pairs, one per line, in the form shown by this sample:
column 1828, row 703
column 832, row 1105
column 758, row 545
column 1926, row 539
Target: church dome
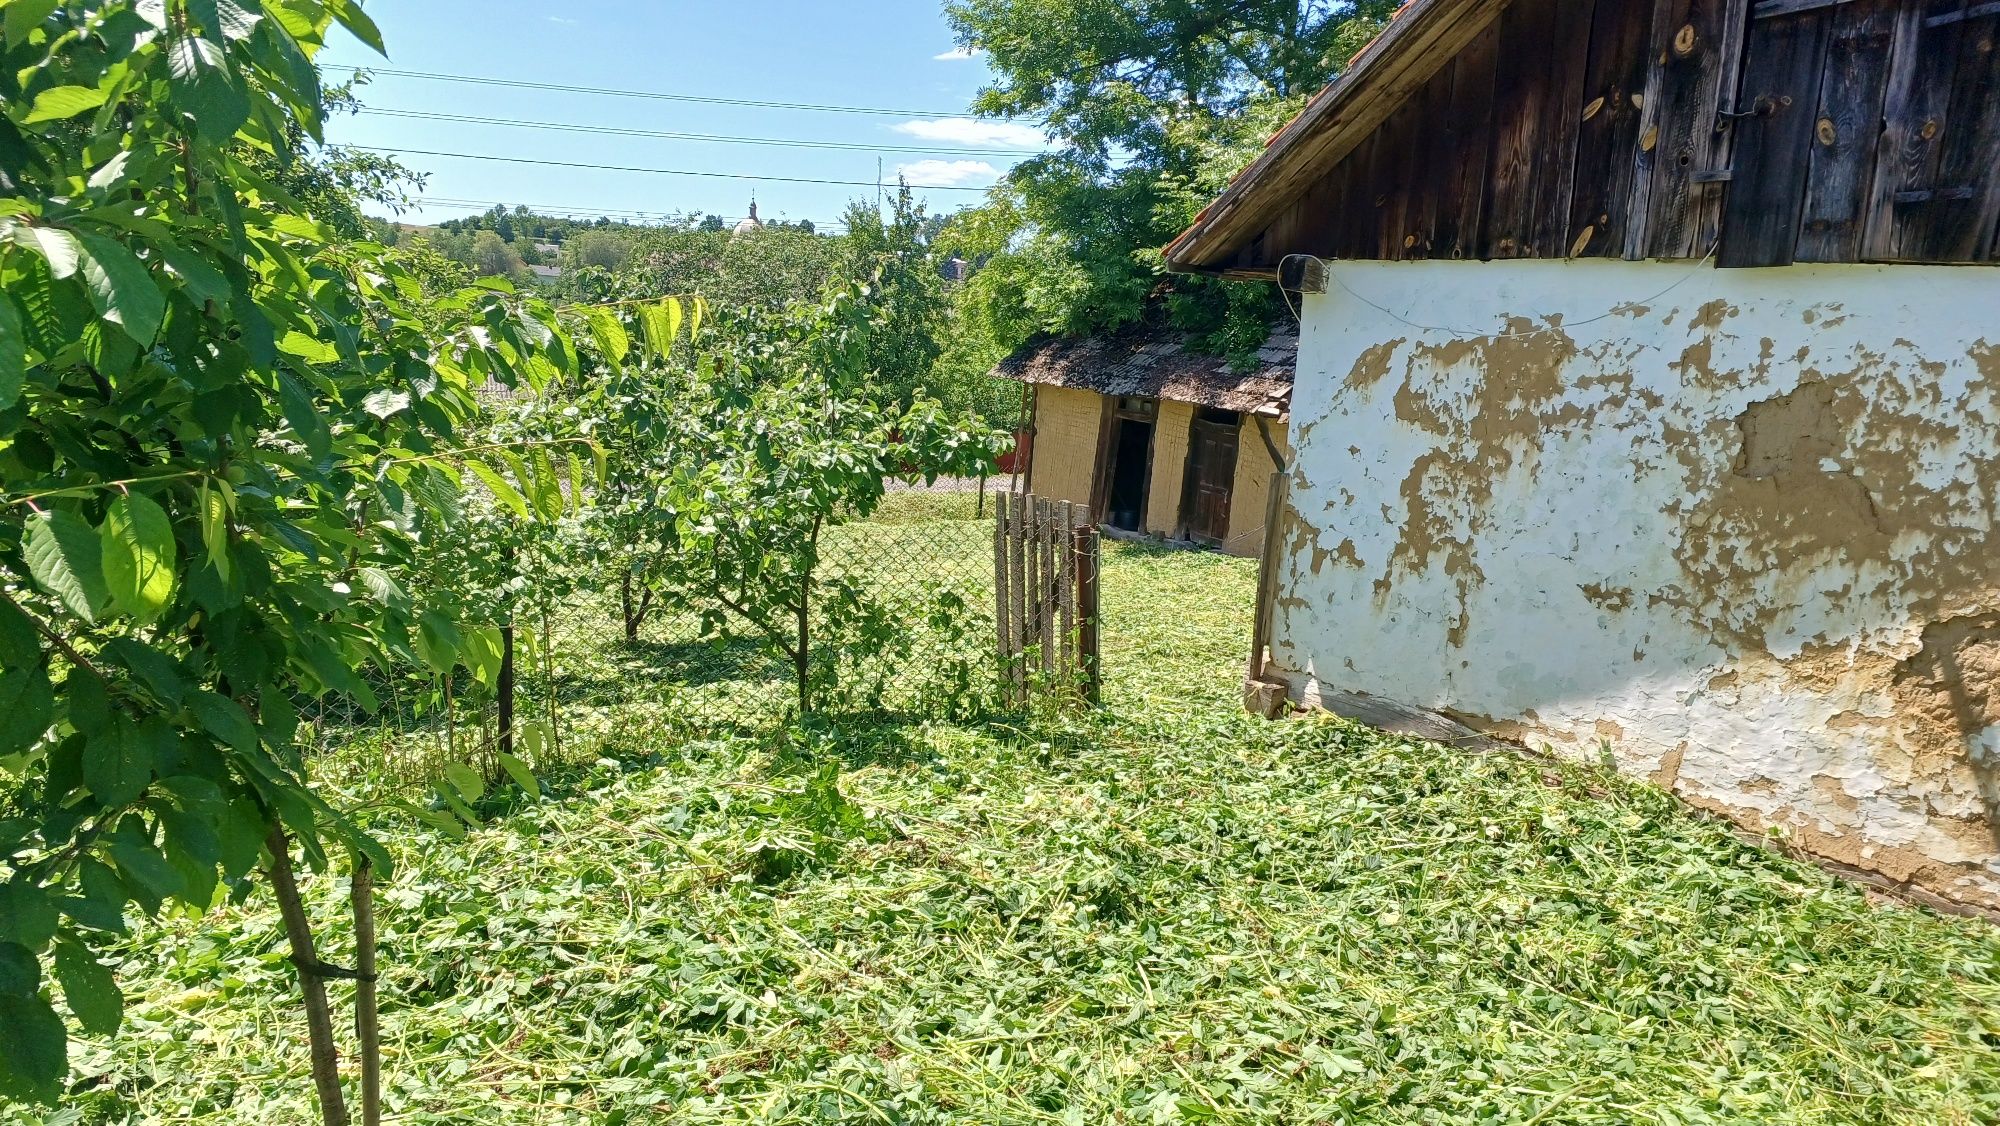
column 752, row 223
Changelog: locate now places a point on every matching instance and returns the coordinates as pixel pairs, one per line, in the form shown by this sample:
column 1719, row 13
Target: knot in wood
column 1684, row 40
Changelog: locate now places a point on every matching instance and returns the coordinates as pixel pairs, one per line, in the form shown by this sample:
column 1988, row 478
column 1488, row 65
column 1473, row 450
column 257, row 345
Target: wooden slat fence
column 1045, row 570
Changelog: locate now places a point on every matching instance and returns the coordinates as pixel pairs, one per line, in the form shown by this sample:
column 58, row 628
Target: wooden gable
column 1764, row 131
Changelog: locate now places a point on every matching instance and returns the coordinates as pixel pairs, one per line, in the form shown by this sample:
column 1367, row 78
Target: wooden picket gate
column 1045, row 571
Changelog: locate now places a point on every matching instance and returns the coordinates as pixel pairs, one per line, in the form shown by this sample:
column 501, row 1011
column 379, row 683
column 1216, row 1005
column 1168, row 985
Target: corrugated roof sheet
column 1158, row 363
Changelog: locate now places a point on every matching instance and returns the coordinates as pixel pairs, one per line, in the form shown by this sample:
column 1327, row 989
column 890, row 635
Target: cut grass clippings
column 1165, row 912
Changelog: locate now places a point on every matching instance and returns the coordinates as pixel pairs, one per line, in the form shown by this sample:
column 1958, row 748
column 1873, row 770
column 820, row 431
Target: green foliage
column 1155, row 104
column 892, row 256
column 767, row 269
column 793, row 442
column 1167, row 912
column 227, row 436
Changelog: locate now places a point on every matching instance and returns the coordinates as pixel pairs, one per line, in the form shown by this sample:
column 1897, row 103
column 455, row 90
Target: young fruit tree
column 222, row 430
column 780, row 435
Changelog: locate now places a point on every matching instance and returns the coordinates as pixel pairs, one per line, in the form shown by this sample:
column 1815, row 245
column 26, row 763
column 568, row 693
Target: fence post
column 504, row 687
column 1087, row 547
column 1002, row 616
column 1065, row 538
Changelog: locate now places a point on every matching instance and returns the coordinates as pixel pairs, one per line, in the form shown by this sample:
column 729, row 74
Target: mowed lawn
column 1166, row 912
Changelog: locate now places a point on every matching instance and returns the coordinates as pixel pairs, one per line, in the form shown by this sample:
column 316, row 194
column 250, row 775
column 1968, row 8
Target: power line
column 655, row 171
column 615, row 130
column 653, row 95
column 566, row 211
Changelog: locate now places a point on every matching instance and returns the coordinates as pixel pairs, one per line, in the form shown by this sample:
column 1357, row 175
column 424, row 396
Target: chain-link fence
column 915, row 637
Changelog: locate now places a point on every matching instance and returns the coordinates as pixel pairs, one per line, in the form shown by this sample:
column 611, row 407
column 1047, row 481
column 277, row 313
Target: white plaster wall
column 1584, row 531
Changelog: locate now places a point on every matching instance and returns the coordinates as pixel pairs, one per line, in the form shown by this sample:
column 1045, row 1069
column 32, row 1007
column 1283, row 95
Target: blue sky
column 876, row 54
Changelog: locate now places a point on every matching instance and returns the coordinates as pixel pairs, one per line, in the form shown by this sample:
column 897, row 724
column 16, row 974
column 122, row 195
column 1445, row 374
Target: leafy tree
column 766, row 269
column 774, row 437
column 223, row 432
column 892, row 255
column 605, row 249
column 493, row 257
column 1155, row 103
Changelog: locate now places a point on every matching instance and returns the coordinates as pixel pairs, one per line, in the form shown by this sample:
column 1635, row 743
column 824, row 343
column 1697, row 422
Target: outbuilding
column 1156, row 437
column 1647, row 404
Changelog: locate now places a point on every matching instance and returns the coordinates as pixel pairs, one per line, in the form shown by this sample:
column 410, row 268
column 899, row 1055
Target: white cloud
column 969, row 131
column 946, row 173
column 957, row 53
column 559, row 19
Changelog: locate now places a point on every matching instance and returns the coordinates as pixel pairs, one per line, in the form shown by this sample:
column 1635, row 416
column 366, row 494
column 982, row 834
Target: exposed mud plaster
column 1743, row 536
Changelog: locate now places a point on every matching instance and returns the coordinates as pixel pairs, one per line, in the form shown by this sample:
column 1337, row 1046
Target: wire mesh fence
column 913, row 635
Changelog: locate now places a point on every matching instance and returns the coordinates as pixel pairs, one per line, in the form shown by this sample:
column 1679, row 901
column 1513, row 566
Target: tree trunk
column 312, row 985
column 367, row 1029
column 625, row 608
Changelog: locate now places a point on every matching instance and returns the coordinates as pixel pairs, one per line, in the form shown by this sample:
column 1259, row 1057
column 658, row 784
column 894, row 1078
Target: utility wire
column 615, row 130
column 653, row 95
column 655, row 171
column 565, row 211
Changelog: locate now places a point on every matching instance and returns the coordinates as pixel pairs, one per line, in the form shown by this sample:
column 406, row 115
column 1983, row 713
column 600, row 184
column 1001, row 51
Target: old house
column 1154, row 436
column 1648, row 403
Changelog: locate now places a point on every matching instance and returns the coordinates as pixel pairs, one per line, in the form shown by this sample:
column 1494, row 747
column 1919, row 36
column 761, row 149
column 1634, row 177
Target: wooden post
column 1017, row 529
column 1065, row 539
column 1045, row 600
column 1031, row 590
column 312, row 980
column 1002, row 603
column 504, row 689
column 367, row 1025
column 1087, row 547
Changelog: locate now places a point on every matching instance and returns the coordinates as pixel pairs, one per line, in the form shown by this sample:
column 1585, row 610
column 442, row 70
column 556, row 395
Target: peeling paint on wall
column 1740, row 535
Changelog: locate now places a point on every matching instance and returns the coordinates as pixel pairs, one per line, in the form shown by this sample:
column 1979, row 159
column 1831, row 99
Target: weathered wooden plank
column 1922, row 64
column 1066, row 588
column 1607, row 132
column 1520, row 122
column 1765, row 9
column 1961, row 229
column 1045, row 597
column 1017, row 543
column 1783, row 73
column 1693, row 43
column 1846, row 126
column 1359, row 234
column 1002, row 620
column 1460, row 231
column 1399, row 164
column 1433, row 166
column 1569, row 63
column 1399, row 61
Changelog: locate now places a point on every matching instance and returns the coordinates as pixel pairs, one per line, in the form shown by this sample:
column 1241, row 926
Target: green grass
column 1165, row 912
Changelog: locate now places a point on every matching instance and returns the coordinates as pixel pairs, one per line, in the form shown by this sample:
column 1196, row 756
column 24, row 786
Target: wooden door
column 1211, row 472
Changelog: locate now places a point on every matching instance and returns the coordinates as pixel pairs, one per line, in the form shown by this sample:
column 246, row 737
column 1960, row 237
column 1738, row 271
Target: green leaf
column 205, row 89
column 34, row 1048
column 519, row 772
column 13, row 353
column 502, row 491
column 465, row 780
column 610, row 336
column 139, row 557
column 438, row 641
column 58, row 246
column 355, row 20
column 122, row 288
column 26, row 915
column 60, row 102
column 20, row 970
column 482, row 653
column 303, row 414
column 66, row 558
column 90, row 989
column 215, row 528
column 118, row 764
column 27, row 707
column 226, row 720
column 24, row 16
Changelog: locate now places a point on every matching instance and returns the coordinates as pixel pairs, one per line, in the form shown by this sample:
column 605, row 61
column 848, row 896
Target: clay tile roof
column 1158, row 363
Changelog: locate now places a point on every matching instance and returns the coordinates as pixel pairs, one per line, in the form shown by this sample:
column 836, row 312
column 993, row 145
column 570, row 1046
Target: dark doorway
column 1211, row 474
column 1131, row 450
